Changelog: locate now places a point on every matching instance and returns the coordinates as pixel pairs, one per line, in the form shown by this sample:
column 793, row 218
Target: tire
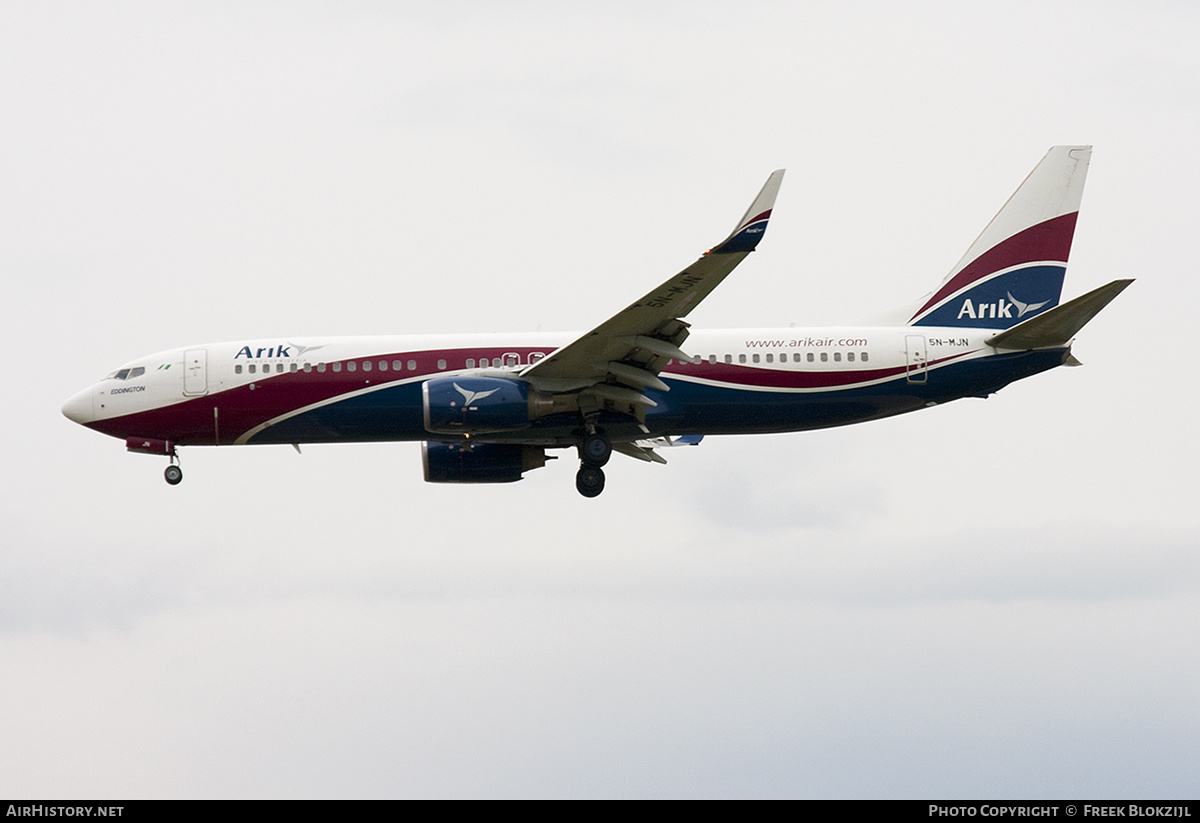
column 595, row 449
column 589, row 480
column 173, row 475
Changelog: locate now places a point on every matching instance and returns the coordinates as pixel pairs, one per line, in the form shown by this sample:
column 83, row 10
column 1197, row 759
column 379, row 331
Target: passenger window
column 383, row 365
column 295, row 367
column 308, row 368
column 695, row 359
column 864, row 357
column 483, row 362
column 729, row 358
column 351, row 366
column 321, row 367
column 337, row 366
column 279, row 368
column 754, row 357
column 770, row 358
column 470, row 362
column 412, row 365
column 396, row 364
column 366, row 365
column 441, row 364
column 837, row 357
column 237, row 369
column 253, row 368
column 824, row 357
column 712, row 358
column 741, row 358
column 850, row 356
column 811, row 357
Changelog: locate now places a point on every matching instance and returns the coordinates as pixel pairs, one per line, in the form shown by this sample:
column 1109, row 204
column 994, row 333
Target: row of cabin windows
column 352, row 365
column 511, row 360
column 368, row 365
column 797, row 357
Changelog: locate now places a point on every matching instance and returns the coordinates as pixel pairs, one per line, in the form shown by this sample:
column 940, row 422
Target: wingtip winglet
column 753, row 225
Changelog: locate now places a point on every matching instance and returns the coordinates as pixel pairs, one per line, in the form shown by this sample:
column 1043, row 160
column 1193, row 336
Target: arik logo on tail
column 999, row 309
column 1022, row 308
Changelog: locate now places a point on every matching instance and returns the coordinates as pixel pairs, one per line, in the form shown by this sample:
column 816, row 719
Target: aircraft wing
column 623, row 355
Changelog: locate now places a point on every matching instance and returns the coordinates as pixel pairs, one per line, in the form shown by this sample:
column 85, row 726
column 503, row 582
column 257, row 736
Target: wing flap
column 639, row 453
column 645, row 449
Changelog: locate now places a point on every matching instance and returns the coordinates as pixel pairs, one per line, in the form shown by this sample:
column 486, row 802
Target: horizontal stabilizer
column 1057, row 326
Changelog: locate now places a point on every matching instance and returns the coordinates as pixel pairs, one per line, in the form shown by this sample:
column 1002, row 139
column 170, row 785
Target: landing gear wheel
column 595, row 449
column 590, row 480
column 173, row 475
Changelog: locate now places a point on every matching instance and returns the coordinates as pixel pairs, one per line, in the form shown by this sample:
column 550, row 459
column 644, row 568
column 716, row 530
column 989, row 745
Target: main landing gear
column 594, row 451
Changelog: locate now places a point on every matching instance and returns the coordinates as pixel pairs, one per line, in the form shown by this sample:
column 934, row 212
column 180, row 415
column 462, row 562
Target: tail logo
column 1022, row 308
column 999, row 309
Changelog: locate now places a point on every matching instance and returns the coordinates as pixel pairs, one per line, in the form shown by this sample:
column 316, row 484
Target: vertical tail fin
column 1015, row 268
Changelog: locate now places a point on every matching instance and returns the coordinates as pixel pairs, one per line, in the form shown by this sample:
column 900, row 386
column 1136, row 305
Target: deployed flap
column 1057, row 326
column 639, row 452
column 631, row 347
column 645, row 449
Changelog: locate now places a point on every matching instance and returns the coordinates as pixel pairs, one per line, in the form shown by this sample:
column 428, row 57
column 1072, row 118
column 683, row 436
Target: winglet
column 754, row 222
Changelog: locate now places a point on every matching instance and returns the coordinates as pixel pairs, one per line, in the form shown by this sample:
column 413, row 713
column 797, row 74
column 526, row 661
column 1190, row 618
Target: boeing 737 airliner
column 489, row 406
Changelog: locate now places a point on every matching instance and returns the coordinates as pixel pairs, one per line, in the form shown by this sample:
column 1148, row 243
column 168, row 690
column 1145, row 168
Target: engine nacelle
column 475, row 405
column 479, row 463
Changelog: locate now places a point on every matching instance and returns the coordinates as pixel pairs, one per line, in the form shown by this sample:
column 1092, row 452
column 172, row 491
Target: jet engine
column 480, row 462
column 476, row 405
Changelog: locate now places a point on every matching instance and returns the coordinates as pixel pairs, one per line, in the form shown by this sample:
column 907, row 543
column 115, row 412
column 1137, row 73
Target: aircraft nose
column 79, row 408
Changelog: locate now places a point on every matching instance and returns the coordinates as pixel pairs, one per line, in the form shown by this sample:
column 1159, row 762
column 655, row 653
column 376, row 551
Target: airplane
column 487, row 408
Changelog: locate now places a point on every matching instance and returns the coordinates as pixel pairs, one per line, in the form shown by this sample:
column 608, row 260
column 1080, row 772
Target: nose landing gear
column 155, row 446
column 173, row 474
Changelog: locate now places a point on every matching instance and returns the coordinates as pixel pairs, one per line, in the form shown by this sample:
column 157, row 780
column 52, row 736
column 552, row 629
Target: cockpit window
column 127, row 374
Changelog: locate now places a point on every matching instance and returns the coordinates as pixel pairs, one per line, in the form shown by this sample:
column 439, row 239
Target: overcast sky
column 992, row 598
